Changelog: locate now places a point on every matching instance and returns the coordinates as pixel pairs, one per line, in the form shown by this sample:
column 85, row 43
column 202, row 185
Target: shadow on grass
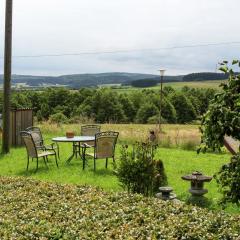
column 100, row 167
column 222, row 152
column 101, row 172
column 2, row 156
column 42, row 168
column 32, row 171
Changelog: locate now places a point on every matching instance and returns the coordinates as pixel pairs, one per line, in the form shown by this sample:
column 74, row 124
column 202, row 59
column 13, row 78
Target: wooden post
column 7, row 77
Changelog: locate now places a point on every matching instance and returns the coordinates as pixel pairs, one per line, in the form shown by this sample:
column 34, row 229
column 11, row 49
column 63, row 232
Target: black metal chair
column 33, row 151
column 104, row 147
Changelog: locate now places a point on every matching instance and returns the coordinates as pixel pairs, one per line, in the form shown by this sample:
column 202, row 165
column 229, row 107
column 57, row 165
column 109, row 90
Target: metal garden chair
column 104, row 147
column 39, row 142
column 88, row 130
column 33, row 151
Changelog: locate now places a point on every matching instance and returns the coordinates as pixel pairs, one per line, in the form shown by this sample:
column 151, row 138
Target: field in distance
column 214, row 84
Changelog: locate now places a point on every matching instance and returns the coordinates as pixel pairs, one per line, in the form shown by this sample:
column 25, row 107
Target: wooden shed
column 20, row 119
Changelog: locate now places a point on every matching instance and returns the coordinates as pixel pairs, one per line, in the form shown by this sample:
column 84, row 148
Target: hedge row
column 32, row 209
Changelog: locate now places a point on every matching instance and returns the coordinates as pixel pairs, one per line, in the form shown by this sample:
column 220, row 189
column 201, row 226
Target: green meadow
column 213, row 84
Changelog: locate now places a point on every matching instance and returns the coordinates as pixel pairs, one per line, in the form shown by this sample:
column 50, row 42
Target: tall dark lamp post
column 162, row 71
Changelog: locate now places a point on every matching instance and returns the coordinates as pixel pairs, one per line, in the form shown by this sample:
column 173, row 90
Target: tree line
column 106, row 105
column 204, row 76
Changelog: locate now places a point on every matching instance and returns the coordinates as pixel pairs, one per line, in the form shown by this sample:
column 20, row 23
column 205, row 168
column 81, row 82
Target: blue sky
column 71, row 26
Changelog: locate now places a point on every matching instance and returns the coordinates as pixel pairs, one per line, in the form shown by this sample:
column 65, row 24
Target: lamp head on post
column 162, row 71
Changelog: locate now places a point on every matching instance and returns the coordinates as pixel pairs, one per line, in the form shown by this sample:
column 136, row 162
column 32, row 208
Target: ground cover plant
column 32, row 209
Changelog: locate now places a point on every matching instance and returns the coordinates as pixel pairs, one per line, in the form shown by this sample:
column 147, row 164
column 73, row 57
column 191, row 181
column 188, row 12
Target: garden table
column 74, row 140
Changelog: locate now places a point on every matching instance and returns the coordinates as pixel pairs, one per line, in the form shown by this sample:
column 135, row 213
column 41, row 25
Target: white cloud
column 68, row 26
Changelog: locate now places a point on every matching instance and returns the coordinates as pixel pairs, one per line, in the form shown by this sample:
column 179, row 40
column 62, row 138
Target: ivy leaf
column 231, row 72
column 235, row 62
column 224, row 69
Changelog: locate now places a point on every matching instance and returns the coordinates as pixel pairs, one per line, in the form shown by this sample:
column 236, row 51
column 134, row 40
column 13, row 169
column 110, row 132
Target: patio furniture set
column 102, row 143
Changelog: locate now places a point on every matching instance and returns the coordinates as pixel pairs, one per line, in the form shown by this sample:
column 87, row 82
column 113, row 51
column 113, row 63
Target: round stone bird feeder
column 197, row 180
column 166, row 193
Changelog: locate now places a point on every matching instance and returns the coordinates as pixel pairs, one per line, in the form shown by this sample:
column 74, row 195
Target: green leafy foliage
column 32, row 209
column 145, row 83
column 168, row 111
column 204, row 76
column 138, row 171
column 223, row 115
column 107, row 105
column 200, row 99
column 145, row 112
column 229, row 179
column 58, row 118
column 20, row 101
column 128, row 107
column 184, row 108
column 223, row 118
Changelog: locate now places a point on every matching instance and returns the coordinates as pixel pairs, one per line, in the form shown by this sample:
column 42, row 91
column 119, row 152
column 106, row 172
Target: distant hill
column 79, row 80
column 90, row 80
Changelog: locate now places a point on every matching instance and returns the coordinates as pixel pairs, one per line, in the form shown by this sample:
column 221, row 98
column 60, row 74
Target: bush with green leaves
column 146, row 111
column 184, row 108
column 58, row 118
column 32, row 209
column 106, row 105
column 223, row 118
column 138, row 172
column 228, row 179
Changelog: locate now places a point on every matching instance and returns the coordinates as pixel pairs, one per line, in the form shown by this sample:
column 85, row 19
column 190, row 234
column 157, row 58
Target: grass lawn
column 177, row 162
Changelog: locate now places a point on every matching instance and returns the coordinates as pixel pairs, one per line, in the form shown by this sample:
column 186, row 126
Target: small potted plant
column 69, row 134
